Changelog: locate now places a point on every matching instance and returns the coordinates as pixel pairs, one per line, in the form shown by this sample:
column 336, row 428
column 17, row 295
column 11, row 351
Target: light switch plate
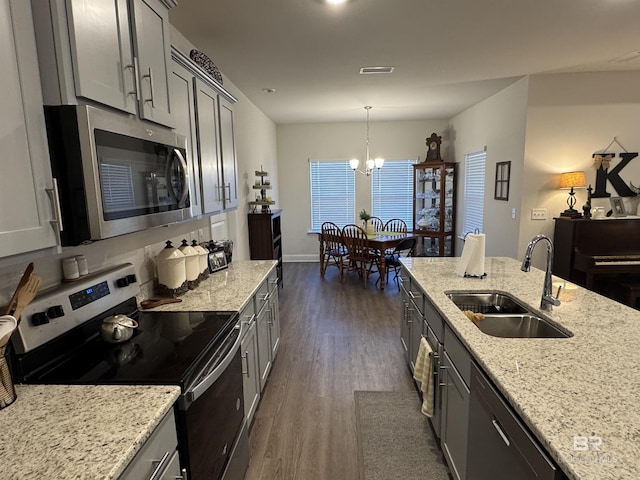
column 538, row 214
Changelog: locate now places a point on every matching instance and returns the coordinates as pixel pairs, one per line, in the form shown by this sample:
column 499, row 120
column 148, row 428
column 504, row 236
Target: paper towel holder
column 470, row 275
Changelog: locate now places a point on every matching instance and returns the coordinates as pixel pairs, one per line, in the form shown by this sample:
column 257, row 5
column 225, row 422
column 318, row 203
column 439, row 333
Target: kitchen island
column 587, row 385
column 80, row 431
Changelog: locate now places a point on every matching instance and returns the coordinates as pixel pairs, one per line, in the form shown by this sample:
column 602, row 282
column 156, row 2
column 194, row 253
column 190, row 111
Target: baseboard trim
column 300, row 258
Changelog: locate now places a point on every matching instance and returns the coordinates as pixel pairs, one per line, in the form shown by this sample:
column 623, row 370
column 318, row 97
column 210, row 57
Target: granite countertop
column 587, row 385
column 78, row 432
column 229, row 289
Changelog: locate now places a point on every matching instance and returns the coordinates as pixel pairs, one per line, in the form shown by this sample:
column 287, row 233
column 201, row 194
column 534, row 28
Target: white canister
column 70, row 268
column 192, row 262
column 171, row 264
column 203, row 257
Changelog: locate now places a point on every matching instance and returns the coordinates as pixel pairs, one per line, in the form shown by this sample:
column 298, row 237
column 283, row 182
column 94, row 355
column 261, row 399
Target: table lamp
column 571, row 180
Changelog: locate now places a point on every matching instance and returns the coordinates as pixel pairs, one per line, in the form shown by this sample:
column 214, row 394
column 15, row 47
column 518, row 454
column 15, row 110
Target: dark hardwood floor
column 335, row 338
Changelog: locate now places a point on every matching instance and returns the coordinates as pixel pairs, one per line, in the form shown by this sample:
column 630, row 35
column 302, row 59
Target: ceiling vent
column 375, row 70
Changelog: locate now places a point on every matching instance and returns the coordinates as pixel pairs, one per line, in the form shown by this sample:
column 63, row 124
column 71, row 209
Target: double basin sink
column 504, row 316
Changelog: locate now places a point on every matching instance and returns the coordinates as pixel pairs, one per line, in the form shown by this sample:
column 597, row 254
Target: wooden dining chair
column 334, row 250
column 405, row 248
column 377, row 223
column 395, row 225
column 361, row 259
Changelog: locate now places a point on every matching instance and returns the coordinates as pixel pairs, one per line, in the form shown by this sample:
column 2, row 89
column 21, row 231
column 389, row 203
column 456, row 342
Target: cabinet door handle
column 136, row 77
column 246, row 357
column 496, row 425
column 150, row 77
column 55, row 201
column 161, row 466
column 229, row 187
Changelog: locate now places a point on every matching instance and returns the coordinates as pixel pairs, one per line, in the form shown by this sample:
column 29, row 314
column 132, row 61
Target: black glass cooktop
column 167, row 348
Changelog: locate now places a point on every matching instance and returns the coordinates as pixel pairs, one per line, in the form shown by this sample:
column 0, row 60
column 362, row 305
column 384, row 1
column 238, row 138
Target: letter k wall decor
column 602, row 162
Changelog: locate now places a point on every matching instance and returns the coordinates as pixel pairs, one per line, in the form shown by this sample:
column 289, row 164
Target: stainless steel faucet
column 548, row 301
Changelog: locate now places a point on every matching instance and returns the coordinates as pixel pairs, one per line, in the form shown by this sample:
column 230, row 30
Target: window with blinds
column 474, row 175
column 392, row 191
column 333, row 193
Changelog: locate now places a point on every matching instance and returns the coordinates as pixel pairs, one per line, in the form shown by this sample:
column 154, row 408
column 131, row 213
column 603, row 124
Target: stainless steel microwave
column 114, row 174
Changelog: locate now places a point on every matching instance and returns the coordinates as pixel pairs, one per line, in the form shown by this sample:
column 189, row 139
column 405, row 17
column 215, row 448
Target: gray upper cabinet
column 228, row 152
column 26, row 213
column 203, row 112
column 184, row 110
column 114, row 52
column 152, row 48
column 208, row 147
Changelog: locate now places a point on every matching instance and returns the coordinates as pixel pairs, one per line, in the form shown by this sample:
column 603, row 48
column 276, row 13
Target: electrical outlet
column 513, row 213
column 538, row 214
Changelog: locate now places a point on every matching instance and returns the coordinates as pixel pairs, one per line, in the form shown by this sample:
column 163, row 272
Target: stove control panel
column 61, row 308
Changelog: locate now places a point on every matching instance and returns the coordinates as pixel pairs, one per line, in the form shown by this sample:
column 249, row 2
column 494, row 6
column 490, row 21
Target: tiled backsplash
column 138, row 248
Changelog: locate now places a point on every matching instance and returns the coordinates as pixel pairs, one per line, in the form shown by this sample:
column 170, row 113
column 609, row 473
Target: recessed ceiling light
column 335, row 2
column 269, row 90
column 376, row 70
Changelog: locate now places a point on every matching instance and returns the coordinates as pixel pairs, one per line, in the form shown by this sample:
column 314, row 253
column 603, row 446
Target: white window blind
column 333, row 193
column 392, row 191
column 474, row 175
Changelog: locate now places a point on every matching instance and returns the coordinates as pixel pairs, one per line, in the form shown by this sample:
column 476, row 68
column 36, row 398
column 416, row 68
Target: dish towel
column 423, row 372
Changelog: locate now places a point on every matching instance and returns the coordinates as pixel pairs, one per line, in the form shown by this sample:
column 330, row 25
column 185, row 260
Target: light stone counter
column 225, row 290
column 78, row 432
column 587, row 385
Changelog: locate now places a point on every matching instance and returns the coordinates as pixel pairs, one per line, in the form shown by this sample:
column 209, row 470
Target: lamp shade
column 573, row 180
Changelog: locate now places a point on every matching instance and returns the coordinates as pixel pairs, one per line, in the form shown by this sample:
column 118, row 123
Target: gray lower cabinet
column 411, row 320
column 158, row 457
column 27, row 211
column 264, row 345
column 249, row 353
column 274, row 314
column 455, row 418
column 260, row 342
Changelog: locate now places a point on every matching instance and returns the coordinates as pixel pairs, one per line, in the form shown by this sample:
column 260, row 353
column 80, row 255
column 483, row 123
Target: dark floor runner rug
column 394, row 438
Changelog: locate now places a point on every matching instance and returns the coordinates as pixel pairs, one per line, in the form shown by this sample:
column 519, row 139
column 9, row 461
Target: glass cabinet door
column 434, row 208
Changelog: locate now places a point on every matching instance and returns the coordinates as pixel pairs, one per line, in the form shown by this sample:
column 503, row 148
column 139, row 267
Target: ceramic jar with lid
column 192, row 263
column 203, row 259
column 172, row 272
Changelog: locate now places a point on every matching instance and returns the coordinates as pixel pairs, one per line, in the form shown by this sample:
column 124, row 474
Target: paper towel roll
column 468, row 251
column 476, row 263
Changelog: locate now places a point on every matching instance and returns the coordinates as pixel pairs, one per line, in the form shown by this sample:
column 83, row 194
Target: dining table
column 378, row 242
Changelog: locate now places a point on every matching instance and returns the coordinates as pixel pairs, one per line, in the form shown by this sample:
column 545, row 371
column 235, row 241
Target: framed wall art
column 503, row 173
column 617, row 207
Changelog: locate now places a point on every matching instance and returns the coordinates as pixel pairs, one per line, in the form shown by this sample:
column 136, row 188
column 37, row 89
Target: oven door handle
column 194, row 393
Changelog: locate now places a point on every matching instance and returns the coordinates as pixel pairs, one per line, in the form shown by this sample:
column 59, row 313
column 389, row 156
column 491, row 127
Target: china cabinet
column 434, row 186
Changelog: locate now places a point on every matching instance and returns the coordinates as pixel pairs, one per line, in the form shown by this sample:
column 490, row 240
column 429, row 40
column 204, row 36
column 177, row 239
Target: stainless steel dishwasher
column 500, row 447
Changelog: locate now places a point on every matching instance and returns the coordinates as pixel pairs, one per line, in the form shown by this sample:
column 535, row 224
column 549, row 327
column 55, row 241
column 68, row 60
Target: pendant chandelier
column 370, row 163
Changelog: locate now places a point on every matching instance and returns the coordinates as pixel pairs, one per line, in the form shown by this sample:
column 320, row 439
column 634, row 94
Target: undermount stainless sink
column 504, row 316
column 486, row 302
column 518, row 326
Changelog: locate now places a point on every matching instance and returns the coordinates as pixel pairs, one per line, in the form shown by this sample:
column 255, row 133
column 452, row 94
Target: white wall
column 570, row 117
column 301, row 142
column 499, row 124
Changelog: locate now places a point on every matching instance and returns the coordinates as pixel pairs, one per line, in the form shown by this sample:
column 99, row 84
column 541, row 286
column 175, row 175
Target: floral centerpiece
column 365, row 217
